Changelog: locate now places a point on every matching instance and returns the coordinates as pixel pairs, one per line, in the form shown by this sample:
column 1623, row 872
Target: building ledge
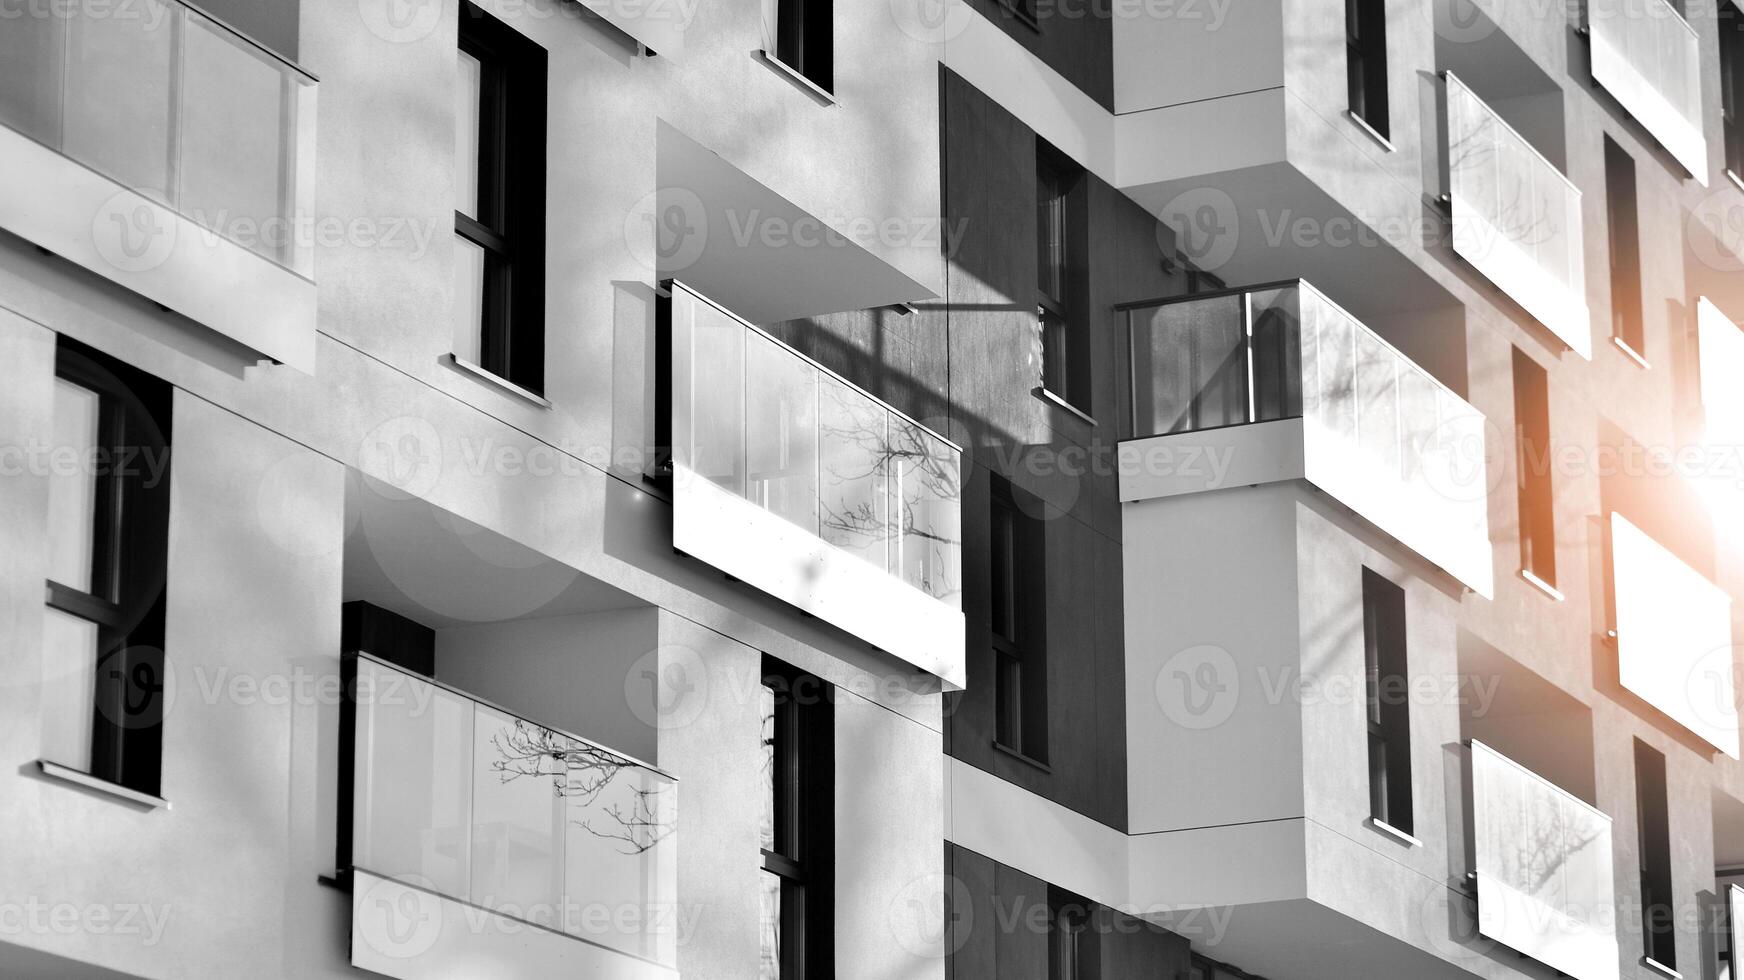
column 55, row 770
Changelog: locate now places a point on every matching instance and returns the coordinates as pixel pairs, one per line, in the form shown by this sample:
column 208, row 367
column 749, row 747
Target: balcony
column 1542, row 861
column 1674, row 636
column 1516, row 218
column 795, row 481
column 479, row 837
column 158, row 148
column 1282, row 384
column 1649, row 58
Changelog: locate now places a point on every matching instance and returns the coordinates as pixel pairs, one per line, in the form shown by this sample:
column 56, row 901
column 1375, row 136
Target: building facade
column 812, row 488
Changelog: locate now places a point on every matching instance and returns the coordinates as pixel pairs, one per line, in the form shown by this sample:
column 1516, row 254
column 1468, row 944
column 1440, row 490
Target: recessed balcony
column 1649, row 58
column 1277, row 383
column 159, row 148
column 791, row 479
column 479, row 836
column 1516, row 218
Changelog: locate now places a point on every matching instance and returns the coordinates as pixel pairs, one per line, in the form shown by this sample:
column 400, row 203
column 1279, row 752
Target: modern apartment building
column 1188, row 489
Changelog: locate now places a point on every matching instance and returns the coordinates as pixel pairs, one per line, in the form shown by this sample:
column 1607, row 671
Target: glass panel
column 519, row 775
column 235, row 135
column 72, row 497
column 466, row 108
column 616, row 814
column 1277, row 354
column 1335, row 356
column 925, row 488
column 854, row 451
column 766, row 770
column 769, row 927
column 69, row 685
column 118, row 84
column 1419, row 420
column 468, row 300
column 710, row 392
column 413, row 790
column 781, row 431
column 31, row 49
column 1191, row 354
column 1378, row 401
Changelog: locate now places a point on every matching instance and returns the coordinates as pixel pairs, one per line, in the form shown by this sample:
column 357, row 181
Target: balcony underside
column 90, row 220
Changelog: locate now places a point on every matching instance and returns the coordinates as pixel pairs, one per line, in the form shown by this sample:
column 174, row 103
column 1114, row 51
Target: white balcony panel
column 1543, row 864
column 1649, row 58
column 1721, row 346
column 399, row 930
column 657, row 25
column 1674, row 636
column 1279, row 383
column 136, row 242
column 529, row 848
column 1516, row 218
column 791, row 479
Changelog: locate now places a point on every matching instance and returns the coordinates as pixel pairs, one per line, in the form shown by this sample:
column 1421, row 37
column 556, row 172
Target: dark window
column 1365, row 53
column 1072, row 952
column 1024, row 10
column 1532, row 446
column 1389, row 707
column 109, row 532
column 805, row 39
column 1625, row 244
column 1019, row 622
column 1732, row 84
column 1060, row 277
column 499, row 216
column 1659, row 934
column 798, row 829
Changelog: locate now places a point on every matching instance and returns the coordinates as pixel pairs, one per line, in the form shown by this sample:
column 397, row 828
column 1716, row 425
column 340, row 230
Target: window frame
column 805, row 40
column 1386, row 674
column 1536, row 496
column 1017, row 623
column 129, row 565
column 1072, row 949
column 1731, row 28
column 510, row 225
column 1062, row 280
column 802, row 748
column 1365, row 52
column 1653, row 828
column 1623, row 244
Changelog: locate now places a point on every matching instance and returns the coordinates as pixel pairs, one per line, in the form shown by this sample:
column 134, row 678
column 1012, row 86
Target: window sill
column 1631, row 353
column 1660, row 968
column 823, row 95
column 1020, row 15
column 1736, row 180
column 1387, row 829
column 1059, row 402
column 1004, row 749
column 55, row 770
column 1542, row 586
column 495, row 380
column 1373, row 133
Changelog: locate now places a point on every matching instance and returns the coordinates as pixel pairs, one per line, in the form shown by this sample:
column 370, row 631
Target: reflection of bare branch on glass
column 581, row 773
column 1520, row 215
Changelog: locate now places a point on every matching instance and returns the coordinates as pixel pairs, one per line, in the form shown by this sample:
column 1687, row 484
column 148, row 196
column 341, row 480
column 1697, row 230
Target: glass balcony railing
column 761, row 421
column 175, row 105
column 1380, row 434
column 1649, row 58
column 463, row 799
column 1543, row 863
column 1516, row 218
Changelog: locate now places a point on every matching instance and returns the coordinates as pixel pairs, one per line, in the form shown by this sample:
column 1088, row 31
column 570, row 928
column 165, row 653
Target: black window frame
column 803, row 750
column 1386, row 672
column 1653, row 827
column 1365, row 53
column 1623, row 220
column 1018, row 621
column 129, row 564
column 1731, row 26
column 805, row 40
column 510, row 226
column 1536, row 490
column 1073, row 952
column 1062, row 280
